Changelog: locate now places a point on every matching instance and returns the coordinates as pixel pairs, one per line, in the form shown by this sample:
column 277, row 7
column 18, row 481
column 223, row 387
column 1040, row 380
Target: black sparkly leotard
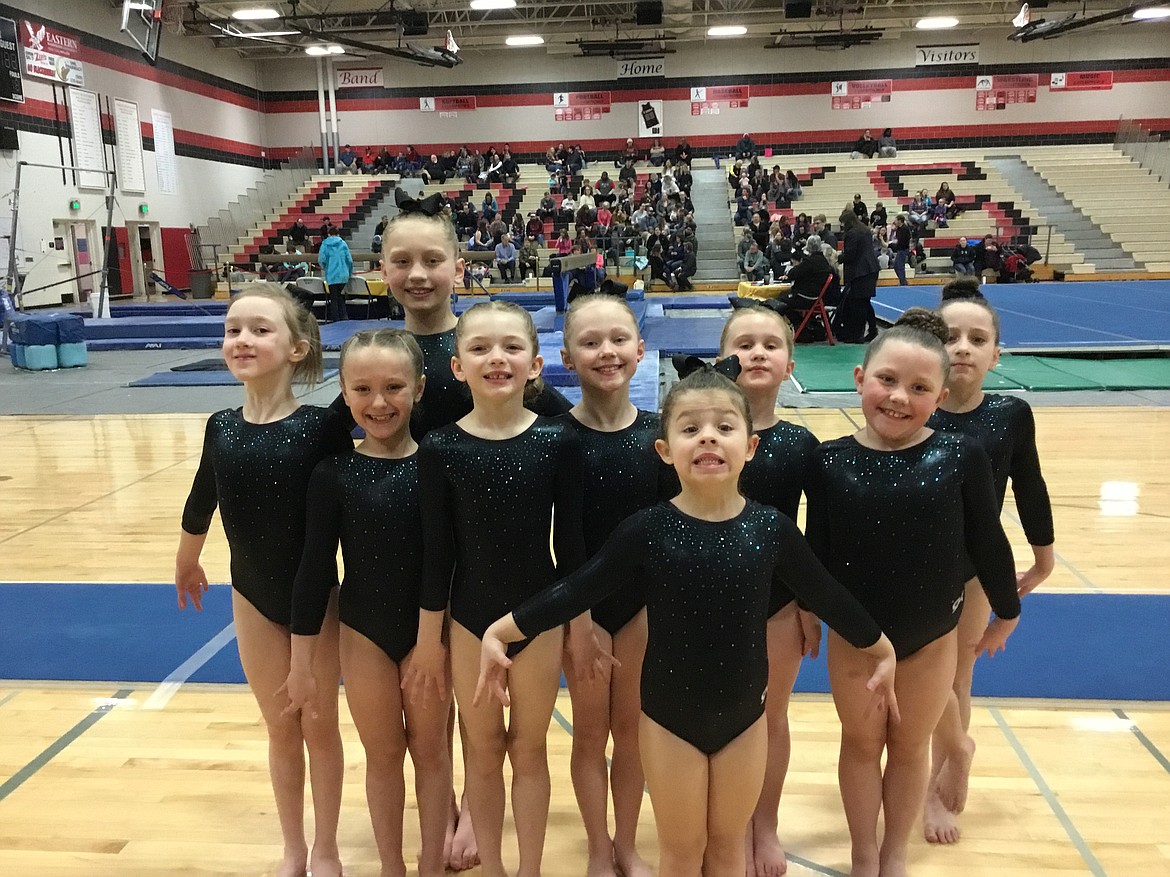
column 445, row 399
column 622, row 474
column 370, row 504
column 1005, row 428
column 777, row 473
column 258, row 474
column 487, row 509
column 894, row 527
column 708, row 586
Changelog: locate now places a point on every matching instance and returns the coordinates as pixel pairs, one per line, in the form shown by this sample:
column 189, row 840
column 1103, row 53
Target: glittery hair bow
column 688, row 365
column 429, row 206
column 771, row 304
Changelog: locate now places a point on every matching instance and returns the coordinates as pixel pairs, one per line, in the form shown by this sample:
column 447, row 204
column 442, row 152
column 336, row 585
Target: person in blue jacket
column 337, row 264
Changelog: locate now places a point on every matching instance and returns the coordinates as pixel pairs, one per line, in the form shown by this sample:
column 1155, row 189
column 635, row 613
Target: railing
column 1145, row 147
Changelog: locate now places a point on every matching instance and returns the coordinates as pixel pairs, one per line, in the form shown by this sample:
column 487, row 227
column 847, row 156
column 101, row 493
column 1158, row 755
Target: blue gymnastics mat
column 691, row 302
column 135, row 633
column 201, row 379
column 1061, row 316
column 698, row 336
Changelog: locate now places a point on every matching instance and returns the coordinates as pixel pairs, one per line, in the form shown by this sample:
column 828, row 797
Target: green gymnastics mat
column 824, row 369
column 1147, row 373
column 1045, row 373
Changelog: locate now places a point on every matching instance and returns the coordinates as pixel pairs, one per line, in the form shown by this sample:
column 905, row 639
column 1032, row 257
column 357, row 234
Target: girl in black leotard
column 368, row 500
column 893, row 511
column 622, row 474
column 490, row 482
column 712, row 563
column 1005, row 428
column 256, row 465
column 762, row 339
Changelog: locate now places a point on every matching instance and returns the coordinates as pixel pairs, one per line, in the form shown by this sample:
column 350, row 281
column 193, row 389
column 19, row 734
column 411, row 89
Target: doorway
column 79, row 258
column 146, row 256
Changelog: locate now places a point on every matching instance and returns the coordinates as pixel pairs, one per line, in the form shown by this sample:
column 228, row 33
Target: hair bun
column 925, row 320
column 962, row 287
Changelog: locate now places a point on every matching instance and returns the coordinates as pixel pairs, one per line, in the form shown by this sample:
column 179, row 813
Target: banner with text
column 447, row 104
column 857, row 94
column 359, row 77
column 642, row 67
column 50, row 54
column 1083, row 80
column 580, row 106
column 998, row 92
column 706, row 100
column 945, row 56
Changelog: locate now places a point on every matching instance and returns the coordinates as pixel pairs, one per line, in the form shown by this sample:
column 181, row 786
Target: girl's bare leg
column 677, row 774
column 735, row 776
column 629, row 784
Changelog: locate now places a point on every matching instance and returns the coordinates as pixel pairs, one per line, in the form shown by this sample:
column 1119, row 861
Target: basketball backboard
column 142, row 22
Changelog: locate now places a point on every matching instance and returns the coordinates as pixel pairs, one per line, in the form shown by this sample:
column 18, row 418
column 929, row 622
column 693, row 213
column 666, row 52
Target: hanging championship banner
column 1082, row 80
column 997, row 92
column 857, row 94
column 580, row 106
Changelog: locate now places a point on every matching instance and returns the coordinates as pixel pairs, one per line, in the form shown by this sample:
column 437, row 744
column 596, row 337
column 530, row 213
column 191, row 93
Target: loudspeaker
column 649, row 14
column 413, row 24
column 9, row 140
column 798, row 8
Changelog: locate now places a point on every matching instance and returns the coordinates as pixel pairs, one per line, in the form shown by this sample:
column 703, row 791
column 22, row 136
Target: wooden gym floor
column 93, row 782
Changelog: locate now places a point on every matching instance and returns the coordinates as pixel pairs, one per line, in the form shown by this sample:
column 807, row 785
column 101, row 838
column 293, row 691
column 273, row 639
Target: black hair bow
column 688, row 365
column 609, row 286
column 429, row 206
column 772, row 304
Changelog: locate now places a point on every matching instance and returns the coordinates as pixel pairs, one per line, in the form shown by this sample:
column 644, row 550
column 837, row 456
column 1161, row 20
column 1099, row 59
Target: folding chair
column 819, row 309
column 316, row 286
column 357, row 291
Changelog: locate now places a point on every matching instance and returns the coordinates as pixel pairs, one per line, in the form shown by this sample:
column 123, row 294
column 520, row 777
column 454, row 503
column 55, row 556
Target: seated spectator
column 657, row 153
column 482, row 239
column 628, row 172
column 629, row 154
column 432, row 171
column 859, row 209
column 586, row 199
column 568, row 210
column 294, row 268
column 682, row 175
column 657, row 265
column 900, row 247
column 519, row 230
column 745, row 147
column 529, row 258
column 887, row 147
column 801, row 227
column 743, row 207
column 755, row 263
column 564, row 245
column 583, row 244
column 878, row 219
column 490, row 206
column 576, row 160
column 963, row 257
column 369, row 160
column 534, row 228
column 347, row 160
column 604, row 189
column 865, row 146
column 493, row 168
column 741, row 248
column 759, row 229
column 881, row 246
column 604, row 215
column 552, row 163
column 466, row 220
column 298, row 233
column 681, row 277
column 497, row 228
column 506, row 258
column 988, row 256
column 682, row 152
column 779, row 254
column 807, row 275
column 462, row 162
column 795, row 192
column 918, row 213
column 937, row 213
column 412, row 162
column 509, row 169
column 946, row 197
column 820, row 226
column 548, row 206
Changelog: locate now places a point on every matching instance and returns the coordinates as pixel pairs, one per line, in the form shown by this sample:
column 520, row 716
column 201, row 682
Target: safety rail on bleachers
column 1145, row 147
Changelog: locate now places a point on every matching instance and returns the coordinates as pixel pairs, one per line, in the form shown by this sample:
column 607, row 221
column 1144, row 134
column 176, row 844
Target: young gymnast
column 369, row 500
column 711, row 561
column 256, row 465
column 761, row 337
column 489, row 484
column 1006, row 430
column 893, row 510
column 622, row 474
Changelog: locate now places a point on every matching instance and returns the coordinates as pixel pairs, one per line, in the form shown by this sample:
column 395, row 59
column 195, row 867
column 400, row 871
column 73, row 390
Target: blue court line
column 167, row 689
column 812, row 866
column 1049, row 796
column 1145, row 741
column 1084, row 579
column 27, row 772
column 8, row 697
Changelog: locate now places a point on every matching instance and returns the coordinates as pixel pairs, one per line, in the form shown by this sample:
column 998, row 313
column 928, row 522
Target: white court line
column 170, row 686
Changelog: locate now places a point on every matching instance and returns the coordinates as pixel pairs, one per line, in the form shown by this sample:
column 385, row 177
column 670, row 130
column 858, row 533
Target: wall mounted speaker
column 649, row 14
column 798, row 8
column 413, row 24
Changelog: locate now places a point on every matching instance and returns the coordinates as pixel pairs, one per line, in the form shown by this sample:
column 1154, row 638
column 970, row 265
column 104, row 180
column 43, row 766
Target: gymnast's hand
column 1031, row 578
column 881, row 683
column 191, row 583
column 810, row 633
column 493, row 670
column 590, row 651
column 426, row 669
column 301, row 689
column 994, row 638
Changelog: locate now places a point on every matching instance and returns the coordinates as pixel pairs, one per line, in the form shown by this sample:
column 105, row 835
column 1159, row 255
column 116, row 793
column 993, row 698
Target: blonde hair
column 535, row 386
column 302, row 326
column 385, row 339
column 442, row 220
column 752, row 309
column 579, row 304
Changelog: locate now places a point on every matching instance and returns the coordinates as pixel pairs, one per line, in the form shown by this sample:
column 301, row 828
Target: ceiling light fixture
column 940, row 22
column 256, row 14
column 727, row 30
column 486, row 5
column 262, row 33
column 1152, row 13
column 317, row 50
column 525, row 40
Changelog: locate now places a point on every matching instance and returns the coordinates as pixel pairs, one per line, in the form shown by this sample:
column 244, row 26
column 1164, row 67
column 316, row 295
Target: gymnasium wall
column 218, row 132
column 789, row 107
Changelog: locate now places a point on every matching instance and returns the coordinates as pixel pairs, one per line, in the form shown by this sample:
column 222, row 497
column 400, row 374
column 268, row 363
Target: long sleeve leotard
column 370, row 504
column 777, row 473
column 708, row 586
column 622, row 474
column 258, row 474
column 1005, row 428
column 895, row 528
column 487, row 508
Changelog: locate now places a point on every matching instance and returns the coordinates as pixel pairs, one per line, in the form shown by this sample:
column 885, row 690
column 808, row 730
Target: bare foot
column 630, row 864
column 749, row 852
column 601, row 863
column 955, row 777
column 939, row 825
column 294, row 864
column 452, row 821
column 864, row 866
column 464, row 852
column 768, row 852
column 895, row 866
column 324, row 863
